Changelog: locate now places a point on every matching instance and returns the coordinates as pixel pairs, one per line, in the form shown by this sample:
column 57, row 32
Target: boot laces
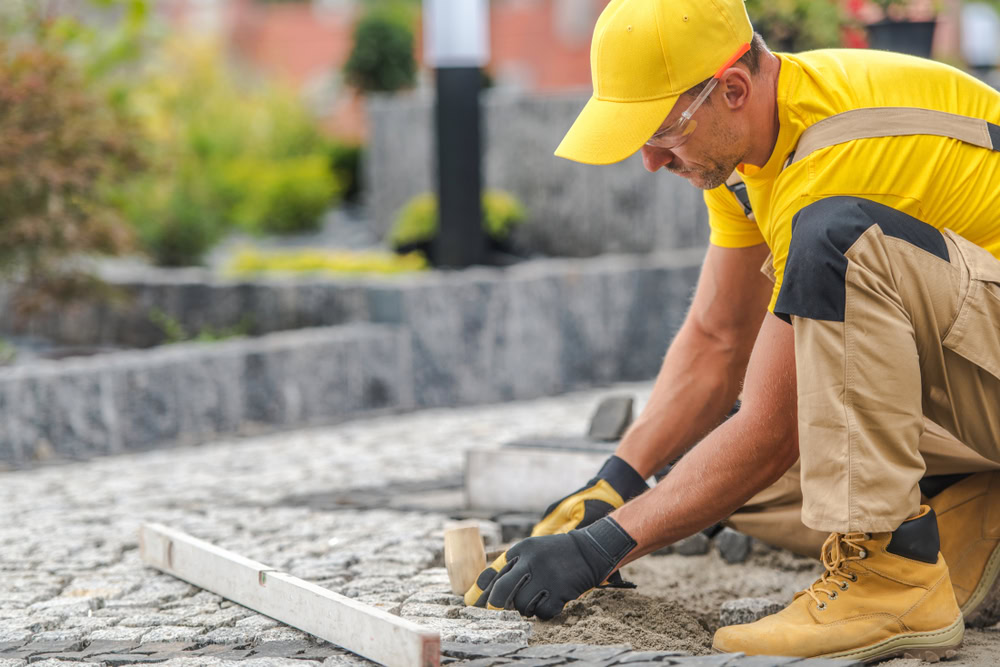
column 839, row 550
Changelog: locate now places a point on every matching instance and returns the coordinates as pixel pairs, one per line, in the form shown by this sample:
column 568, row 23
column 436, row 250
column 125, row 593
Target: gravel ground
column 358, row 508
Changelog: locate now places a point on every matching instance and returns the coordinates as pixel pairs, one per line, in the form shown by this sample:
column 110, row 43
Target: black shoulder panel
column 994, row 131
column 917, row 539
column 813, row 284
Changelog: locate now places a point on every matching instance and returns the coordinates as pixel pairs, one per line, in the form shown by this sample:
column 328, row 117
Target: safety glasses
column 678, row 132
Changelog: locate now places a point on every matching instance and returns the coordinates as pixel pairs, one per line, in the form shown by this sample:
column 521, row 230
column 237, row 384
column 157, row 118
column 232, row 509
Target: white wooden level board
column 525, row 479
column 362, row 629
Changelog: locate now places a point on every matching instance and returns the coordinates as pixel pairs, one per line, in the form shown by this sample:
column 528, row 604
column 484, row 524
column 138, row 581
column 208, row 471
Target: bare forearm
column 736, row 461
column 697, row 385
column 745, row 455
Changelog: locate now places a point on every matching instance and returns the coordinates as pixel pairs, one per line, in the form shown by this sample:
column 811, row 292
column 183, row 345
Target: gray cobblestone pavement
column 336, row 506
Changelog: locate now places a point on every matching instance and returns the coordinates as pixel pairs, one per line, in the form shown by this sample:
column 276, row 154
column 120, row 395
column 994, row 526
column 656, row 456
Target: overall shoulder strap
column 894, row 122
column 736, row 185
column 874, row 122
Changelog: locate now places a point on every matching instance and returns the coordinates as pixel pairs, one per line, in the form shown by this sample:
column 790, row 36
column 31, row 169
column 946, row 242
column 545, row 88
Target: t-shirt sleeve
column 731, row 228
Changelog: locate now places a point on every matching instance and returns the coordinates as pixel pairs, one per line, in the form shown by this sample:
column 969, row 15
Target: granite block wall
column 193, row 392
column 437, row 339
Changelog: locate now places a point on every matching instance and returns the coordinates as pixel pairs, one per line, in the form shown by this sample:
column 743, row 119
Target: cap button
column 629, row 28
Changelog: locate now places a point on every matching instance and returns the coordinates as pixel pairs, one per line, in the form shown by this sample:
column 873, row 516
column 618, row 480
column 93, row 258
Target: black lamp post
column 457, row 45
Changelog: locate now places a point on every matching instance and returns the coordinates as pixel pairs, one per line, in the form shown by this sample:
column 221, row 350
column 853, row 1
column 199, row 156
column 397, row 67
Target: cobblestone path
column 358, row 508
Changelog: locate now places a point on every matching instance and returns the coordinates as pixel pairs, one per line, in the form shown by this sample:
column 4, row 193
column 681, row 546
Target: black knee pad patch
column 815, row 271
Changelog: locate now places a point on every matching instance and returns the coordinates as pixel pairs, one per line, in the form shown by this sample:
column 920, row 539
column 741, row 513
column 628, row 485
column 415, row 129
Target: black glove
column 539, row 575
column 615, row 484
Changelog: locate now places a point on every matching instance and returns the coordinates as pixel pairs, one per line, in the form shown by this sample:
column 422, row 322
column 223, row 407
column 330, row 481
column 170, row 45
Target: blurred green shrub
column 345, row 163
column 223, row 155
column 798, row 25
column 249, row 261
column 381, row 59
column 63, row 146
column 417, row 221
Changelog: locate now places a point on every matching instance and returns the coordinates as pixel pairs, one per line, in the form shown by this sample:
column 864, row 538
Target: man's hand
column 539, row 575
column 615, row 484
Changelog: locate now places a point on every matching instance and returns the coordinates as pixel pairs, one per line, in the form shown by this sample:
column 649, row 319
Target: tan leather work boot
column 882, row 595
column 969, row 524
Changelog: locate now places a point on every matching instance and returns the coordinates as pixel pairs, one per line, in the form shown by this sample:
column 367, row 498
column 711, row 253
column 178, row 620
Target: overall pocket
column 975, row 334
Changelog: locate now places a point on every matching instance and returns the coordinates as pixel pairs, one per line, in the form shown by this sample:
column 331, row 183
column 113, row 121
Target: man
column 870, row 366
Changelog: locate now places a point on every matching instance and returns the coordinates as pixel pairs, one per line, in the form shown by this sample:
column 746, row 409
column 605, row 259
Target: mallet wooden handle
column 464, row 555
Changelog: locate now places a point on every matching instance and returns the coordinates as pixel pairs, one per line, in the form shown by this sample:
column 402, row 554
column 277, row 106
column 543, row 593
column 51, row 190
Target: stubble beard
column 719, row 168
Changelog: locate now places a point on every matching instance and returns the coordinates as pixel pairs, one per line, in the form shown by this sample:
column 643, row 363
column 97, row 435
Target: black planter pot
column 912, row 37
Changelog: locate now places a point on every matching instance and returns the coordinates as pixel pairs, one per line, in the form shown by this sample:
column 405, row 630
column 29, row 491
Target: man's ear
column 736, row 87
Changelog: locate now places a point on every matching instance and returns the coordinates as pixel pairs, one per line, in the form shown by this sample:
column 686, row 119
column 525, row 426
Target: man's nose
column 654, row 158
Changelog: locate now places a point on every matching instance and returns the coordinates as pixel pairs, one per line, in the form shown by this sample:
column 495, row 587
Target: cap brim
column 607, row 132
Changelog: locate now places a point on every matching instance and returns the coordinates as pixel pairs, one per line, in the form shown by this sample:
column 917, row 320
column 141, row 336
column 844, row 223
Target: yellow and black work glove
column 539, row 575
column 616, row 483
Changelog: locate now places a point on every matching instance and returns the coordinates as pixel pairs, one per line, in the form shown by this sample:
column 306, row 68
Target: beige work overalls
column 898, row 371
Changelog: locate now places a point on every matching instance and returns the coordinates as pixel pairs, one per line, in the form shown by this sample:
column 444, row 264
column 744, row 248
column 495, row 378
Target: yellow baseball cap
column 644, row 55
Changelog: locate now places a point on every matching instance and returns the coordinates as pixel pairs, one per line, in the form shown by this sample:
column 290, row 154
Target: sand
column 676, row 605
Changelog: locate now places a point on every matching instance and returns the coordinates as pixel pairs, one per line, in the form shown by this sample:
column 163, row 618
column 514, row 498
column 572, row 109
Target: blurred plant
column 223, row 155
column 64, row 145
column 417, row 221
column 798, row 25
column 381, row 59
column 345, row 163
column 249, row 261
column 8, row 352
column 174, row 332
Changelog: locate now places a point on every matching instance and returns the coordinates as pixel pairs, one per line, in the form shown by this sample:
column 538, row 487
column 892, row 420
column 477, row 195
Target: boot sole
column 982, row 606
column 927, row 646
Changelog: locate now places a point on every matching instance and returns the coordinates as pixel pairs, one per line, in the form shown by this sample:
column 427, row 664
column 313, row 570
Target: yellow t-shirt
column 943, row 182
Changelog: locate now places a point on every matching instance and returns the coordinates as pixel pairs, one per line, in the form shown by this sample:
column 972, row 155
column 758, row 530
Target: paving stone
column 489, row 662
column 68, row 606
column 346, row 660
column 282, row 633
column 43, row 647
column 548, row 650
column 277, row 662
column 747, row 610
column 12, row 662
column 149, row 620
column 733, row 546
column 164, row 647
column 599, row 653
column 197, row 661
column 118, row 659
column 430, row 610
column 464, row 651
column 89, row 623
column 612, row 417
column 230, row 636
column 172, row 633
column 11, row 646
column 256, row 622
column 696, row 545
column 282, row 649
column 473, row 635
column 15, row 636
column 546, row 662
column 67, row 635
column 52, row 662
column 724, row 660
column 646, row 656
column 436, row 597
column 119, row 633
column 481, row 614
